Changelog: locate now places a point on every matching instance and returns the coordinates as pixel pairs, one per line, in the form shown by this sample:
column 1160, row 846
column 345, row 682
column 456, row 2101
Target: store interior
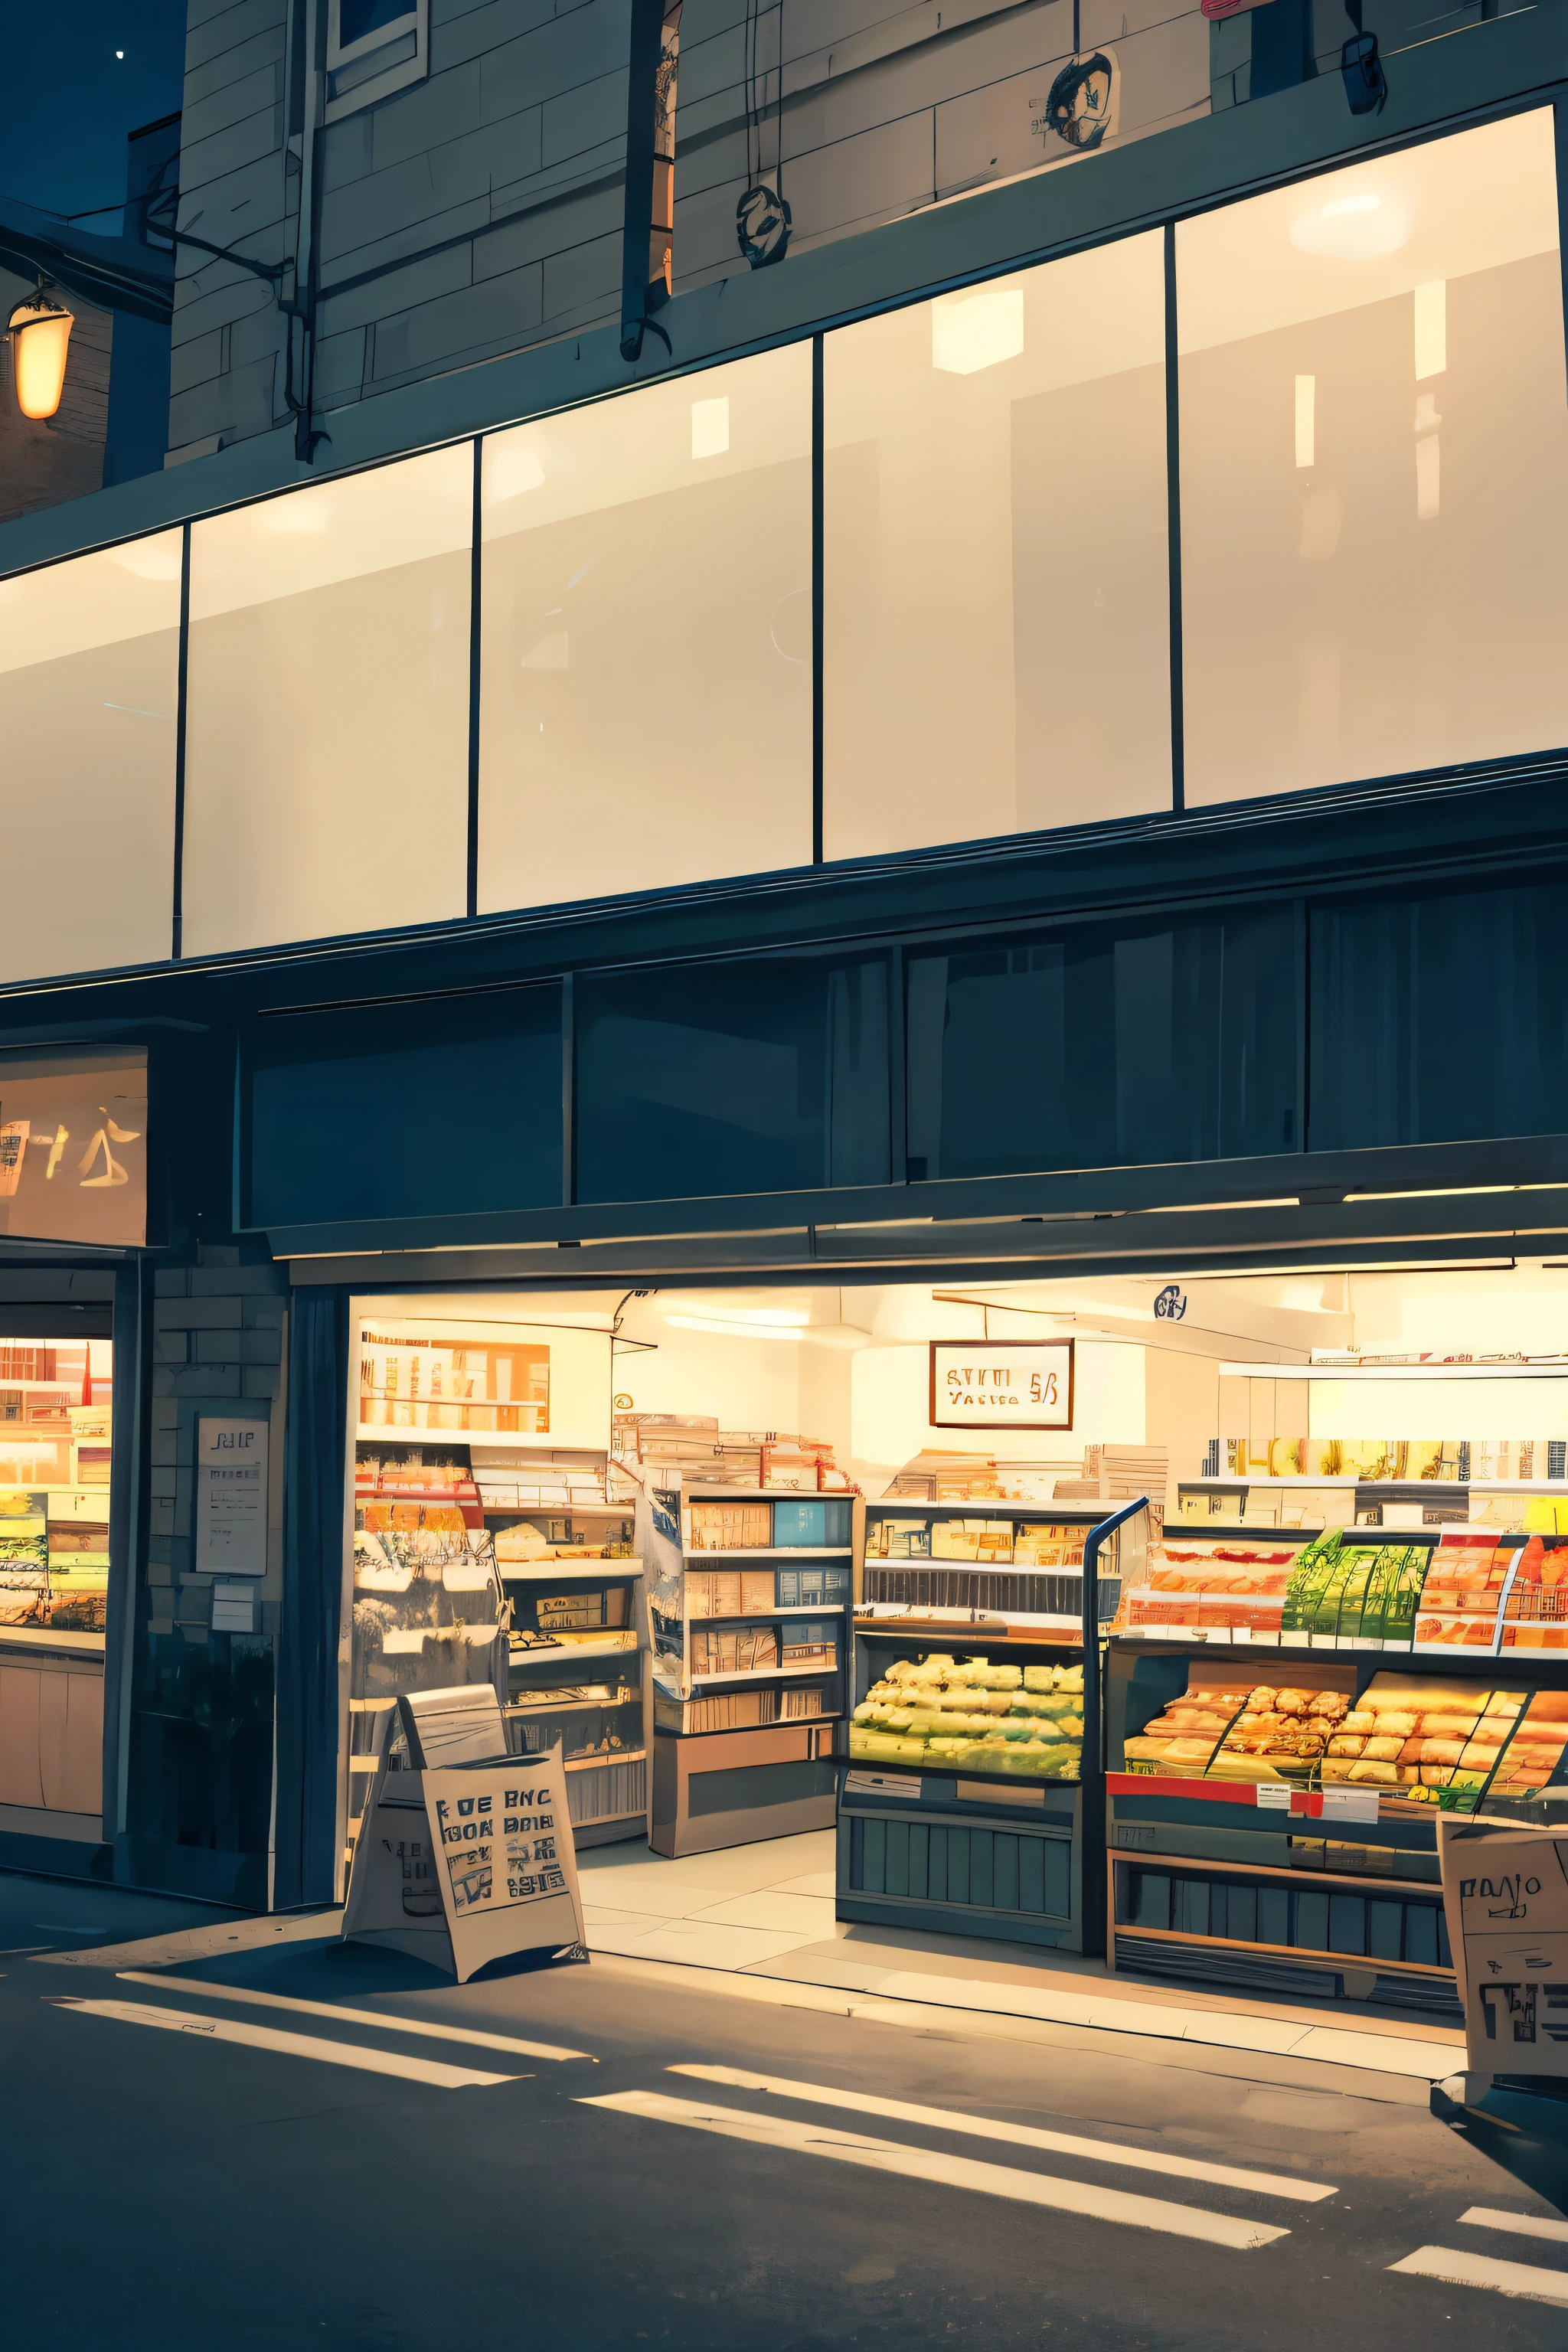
column 542, row 1480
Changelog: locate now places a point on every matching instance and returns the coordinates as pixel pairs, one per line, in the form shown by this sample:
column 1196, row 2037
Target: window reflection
column 1375, row 468
column 997, row 643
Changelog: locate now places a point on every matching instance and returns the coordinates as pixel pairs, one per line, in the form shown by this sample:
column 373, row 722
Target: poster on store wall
column 659, row 1547
column 1006, row 1384
column 231, row 1497
column 73, row 1147
column 1505, row 1897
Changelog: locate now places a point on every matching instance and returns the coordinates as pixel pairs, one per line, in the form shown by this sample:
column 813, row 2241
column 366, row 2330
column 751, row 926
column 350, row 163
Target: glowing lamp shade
column 40, row 330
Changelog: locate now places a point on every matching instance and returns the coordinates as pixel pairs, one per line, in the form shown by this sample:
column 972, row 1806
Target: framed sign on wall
column 979, row 1384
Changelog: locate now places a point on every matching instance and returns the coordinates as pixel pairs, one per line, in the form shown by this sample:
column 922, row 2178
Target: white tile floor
column 747, row 1904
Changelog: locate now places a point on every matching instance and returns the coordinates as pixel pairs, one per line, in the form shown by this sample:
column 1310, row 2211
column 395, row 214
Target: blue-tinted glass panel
column 1104, row 1048
column 1438, row 1018
column 405, row 1110
column 740, row 1077
column 358, row 17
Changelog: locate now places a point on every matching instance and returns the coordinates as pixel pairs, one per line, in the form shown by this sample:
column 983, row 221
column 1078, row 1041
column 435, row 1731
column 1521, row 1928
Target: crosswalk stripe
column 947, row 2171
column 383, row 2018
column 1521, row 2225
column 1481, row 2270
column 289, row 2045
column 1136, row 2159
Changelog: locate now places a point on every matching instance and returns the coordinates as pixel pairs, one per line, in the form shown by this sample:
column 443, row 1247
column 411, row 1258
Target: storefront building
column 1006, row 789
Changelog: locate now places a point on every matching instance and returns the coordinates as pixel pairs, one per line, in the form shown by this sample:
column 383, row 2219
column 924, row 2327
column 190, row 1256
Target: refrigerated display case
column 965, row 1804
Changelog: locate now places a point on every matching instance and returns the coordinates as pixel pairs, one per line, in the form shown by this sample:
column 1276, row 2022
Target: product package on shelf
column 972, row 1716
column 1447, row 1743
column 972, row 1540
column 729, row 1592
column 1346, row 1588
column 810, row 1641
column 731, row 1526
column 1535, row 1612
column 739, row 1650
column 749, row 1710
column 813, row 1588
column 413, row 1382
column 1464, row 1590
column 1230, row 1582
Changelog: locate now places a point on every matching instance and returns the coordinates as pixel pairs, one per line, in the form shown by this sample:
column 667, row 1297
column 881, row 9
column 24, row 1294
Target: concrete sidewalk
column 766, row 1911
column 756, row 1922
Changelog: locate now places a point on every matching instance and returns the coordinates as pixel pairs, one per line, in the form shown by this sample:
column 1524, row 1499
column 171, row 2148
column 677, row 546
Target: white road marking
column 288, row 2045
column 1137, row 2159
column 947, row 2171
column 1521, row 2225
column 1479, row 2270
column 383, row 2018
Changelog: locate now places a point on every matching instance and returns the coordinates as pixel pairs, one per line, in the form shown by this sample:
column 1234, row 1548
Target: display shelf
column 694, row 1556
column 745, row 1616
column 763, row 1674
column 567, row 1653
column 611, row 1756
column 570, row 1571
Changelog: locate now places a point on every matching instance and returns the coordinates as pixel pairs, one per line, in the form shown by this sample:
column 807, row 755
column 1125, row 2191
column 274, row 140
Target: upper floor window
column 373, row 48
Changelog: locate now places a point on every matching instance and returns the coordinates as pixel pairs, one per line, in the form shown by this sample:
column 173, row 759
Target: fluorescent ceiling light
column 790, row 1317
column 977, row 330
column 734, row 1330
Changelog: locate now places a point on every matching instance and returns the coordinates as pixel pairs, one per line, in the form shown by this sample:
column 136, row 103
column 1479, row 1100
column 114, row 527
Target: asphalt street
column 309, row 2143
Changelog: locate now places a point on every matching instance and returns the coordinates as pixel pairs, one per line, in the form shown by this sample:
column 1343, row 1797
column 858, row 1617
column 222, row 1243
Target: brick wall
column 480, row 210
column 219, row 1331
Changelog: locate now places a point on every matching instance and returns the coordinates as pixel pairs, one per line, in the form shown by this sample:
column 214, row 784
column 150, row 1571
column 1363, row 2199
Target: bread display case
column 965, row 1801
column 1272, row 1817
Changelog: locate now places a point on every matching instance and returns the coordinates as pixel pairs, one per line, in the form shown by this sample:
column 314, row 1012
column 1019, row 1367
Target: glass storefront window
column 997, row 647
column 56, row 1410
column 1094, row 1049
column 1375, row 468
column 738, row 1077
column 318, row 1086
column 90, row 658
column 327, row 724
column 646, row 712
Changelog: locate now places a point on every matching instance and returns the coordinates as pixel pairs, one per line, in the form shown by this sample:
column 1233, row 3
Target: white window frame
column 354, row 63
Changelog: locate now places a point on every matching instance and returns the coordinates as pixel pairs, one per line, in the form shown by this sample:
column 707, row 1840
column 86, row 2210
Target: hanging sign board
column 231, row 1498
column 1505, row 1897
column 981, row 1384
column 468, row 1865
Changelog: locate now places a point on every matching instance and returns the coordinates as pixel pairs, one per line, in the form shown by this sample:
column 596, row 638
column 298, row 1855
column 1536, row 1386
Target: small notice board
column 467, row 1865
column 1505, row 1896
column 231, row 1497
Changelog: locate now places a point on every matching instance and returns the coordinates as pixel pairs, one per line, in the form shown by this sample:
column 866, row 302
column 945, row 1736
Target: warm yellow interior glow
column 38, row 344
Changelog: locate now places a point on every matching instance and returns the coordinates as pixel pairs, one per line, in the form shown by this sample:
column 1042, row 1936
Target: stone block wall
column 480, row 210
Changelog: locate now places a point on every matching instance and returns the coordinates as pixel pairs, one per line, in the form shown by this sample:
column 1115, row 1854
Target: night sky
column 73, row 100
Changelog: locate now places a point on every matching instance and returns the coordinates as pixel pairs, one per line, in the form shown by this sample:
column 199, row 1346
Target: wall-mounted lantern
column 39, row 329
